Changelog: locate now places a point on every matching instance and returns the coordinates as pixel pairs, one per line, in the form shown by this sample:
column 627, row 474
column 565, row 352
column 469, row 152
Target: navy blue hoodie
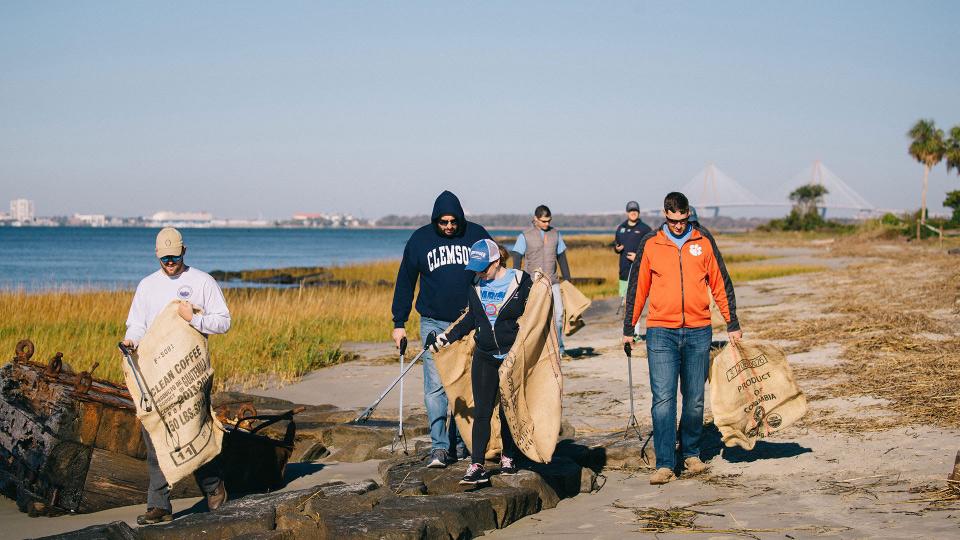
column 439, row 262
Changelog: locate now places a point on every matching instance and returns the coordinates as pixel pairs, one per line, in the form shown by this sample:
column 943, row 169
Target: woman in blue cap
column 496, row 300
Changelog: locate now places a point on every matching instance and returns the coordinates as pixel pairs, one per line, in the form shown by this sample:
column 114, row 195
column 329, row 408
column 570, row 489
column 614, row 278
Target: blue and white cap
column 482, row 253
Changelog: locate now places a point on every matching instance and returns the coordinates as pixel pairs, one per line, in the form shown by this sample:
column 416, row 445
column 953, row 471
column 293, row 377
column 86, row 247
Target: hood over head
column 448, row 204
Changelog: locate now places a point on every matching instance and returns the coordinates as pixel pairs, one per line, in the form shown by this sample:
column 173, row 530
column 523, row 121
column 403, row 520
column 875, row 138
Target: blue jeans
column 684, row 354
column 434, row 397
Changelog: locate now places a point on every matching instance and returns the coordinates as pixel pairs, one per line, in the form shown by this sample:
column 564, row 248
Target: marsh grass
column 277, row 334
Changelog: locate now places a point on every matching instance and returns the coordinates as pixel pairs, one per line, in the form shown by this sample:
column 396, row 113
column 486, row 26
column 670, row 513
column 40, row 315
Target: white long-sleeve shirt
column 195, row 286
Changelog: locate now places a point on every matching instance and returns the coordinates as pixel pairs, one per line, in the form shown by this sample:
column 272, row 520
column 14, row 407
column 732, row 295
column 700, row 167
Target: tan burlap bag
column 575, row 303
column 753, row 393
column 531, row 385
column 175, row 368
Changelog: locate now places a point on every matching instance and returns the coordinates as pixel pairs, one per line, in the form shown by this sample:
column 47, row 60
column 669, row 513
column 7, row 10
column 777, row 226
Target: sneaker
column 475, row 475
column 693, row 465
column 154, row 515
column 438, row 459
column 508, row 466
column 218, row 497
column 662, row 476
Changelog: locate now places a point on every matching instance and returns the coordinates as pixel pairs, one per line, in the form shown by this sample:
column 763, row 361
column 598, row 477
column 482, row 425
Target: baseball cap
column 482, row 253
column 632, row 205
column 169, row 242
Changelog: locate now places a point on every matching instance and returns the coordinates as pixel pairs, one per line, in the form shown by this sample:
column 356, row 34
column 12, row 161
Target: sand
column 804, row 482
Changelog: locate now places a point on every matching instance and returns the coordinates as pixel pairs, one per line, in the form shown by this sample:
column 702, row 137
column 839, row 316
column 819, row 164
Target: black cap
column 632, row 205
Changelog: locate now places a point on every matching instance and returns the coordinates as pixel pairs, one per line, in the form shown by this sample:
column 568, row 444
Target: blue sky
column 256, row 108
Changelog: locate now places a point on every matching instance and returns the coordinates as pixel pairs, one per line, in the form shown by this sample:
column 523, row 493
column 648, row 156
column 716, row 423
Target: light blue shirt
column 521, row 244
column 678, row 240
column 493, row 295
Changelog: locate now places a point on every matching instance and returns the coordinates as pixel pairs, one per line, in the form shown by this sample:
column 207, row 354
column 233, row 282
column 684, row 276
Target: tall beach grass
column 277, row 334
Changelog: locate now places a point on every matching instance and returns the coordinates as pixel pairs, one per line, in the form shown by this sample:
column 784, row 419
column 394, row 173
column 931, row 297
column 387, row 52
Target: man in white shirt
column 195, row 289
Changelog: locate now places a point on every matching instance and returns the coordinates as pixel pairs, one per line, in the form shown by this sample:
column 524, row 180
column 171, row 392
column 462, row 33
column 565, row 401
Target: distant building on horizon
column 90, row 220
column 22, row 210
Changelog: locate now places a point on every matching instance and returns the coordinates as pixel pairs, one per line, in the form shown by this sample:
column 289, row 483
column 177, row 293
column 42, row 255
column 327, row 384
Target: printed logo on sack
column 747, row 363
column 695, row 250
column 774, row 420
column 185, row 292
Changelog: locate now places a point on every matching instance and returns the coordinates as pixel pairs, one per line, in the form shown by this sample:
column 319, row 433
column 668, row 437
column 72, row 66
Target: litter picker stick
column 146, row 398
column 400, row 437
column 632, row 423
column 365, row 415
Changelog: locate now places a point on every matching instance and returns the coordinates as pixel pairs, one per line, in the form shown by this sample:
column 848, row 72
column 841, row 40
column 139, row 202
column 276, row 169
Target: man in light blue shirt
column 542, row 247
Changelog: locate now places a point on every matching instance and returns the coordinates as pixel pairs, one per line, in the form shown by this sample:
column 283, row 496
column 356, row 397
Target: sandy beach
column 854, row 467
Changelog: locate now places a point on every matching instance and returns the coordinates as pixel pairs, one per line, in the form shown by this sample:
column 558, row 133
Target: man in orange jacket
column 678, row 267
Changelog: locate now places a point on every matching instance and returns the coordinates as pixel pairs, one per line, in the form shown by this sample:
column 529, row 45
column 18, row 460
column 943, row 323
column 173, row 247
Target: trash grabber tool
column 146, row 398
column 400, row 437
column 632, row 423
column 365, row 415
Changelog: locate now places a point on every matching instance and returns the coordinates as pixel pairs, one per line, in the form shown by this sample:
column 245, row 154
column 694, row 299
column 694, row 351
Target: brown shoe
column 217, row 498
column 154, row 515
column 662, row 476
column 693, row 465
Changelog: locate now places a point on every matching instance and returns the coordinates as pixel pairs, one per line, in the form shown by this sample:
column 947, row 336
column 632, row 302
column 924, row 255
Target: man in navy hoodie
column 437, row 255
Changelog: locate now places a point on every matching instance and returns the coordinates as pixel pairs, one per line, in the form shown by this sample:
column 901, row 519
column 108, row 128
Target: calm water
column 39, row 258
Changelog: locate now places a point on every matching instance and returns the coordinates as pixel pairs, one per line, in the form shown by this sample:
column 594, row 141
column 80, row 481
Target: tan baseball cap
column 169, row 242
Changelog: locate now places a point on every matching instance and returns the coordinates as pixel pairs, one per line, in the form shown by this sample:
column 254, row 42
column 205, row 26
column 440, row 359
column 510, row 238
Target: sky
column 263, row 109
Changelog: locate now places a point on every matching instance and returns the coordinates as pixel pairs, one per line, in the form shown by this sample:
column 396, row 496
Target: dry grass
column 276, row 333
column 896, row 320
column 283, row 333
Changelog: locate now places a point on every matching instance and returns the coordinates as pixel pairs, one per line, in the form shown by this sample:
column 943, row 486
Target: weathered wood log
column 69, row 442
column 955, row 475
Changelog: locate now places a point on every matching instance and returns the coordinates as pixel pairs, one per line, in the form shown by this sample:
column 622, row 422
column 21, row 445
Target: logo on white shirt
column 185, row 292
column 695, row 250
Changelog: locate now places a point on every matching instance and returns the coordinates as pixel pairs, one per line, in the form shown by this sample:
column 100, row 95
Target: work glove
column 441, row 342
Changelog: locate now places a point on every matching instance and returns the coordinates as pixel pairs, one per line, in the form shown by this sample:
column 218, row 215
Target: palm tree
column 927, row 147
column 952, row 150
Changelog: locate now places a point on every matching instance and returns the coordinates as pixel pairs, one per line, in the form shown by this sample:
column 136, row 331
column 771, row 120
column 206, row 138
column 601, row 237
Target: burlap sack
column 574, row 305
column 753, row 393
column 175, row 369
column 531, row 385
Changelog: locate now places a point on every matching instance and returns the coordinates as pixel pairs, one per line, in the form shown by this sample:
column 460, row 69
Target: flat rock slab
column 117, row 530
column 325, row 432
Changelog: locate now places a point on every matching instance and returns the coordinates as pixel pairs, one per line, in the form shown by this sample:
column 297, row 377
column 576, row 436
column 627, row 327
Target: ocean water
column 42, row 258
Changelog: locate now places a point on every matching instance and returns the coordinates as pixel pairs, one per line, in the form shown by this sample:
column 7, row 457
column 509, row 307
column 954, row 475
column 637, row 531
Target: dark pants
column 158, row 494
column 486, row 386
column 677, row 354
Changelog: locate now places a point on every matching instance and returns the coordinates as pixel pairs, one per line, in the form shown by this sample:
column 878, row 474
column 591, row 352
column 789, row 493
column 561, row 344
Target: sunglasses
column 445, row 222
column 542, row 220
column 678, row 221
column 171, row 259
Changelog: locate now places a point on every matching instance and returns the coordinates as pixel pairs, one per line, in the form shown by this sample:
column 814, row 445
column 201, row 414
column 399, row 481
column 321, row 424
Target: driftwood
column 68, row 441
column 72, row 443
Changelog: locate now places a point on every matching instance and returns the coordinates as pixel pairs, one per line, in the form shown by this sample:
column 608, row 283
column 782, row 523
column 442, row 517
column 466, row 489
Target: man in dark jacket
column 627, row 240
column 437, row 255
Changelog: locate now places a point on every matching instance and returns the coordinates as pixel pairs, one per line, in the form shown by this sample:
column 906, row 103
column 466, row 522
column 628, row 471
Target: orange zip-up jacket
column 679, row 283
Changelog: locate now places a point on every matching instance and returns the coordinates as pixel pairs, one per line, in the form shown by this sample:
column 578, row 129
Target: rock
column 252, row 514
column 609, row 451
column 954, row 251
column 509, row 503
column 526, row 479
column 567, row 431
column 305, row 518
column 460, row 515
column 116, row 530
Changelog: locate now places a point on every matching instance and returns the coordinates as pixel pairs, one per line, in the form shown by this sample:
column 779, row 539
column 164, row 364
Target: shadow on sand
column 711, row 444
